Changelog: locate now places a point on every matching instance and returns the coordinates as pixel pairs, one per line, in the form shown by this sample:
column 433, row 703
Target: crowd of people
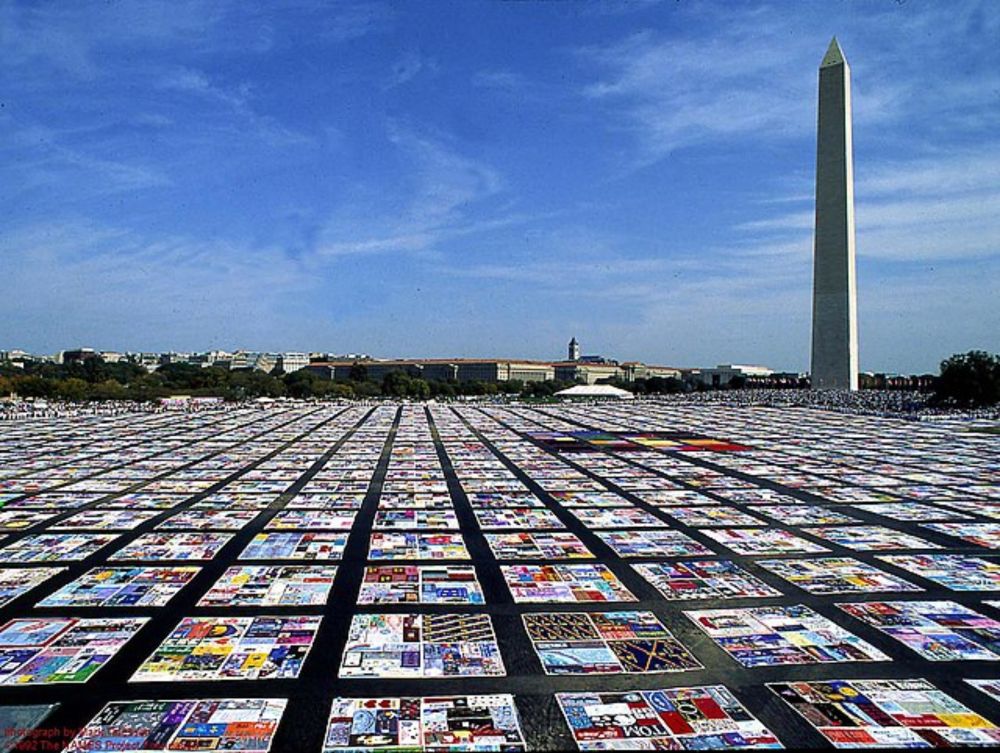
column 13, row 410
column 898, row 403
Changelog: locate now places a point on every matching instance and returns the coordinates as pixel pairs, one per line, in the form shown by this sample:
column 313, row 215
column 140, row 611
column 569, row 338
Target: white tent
column 596, row 390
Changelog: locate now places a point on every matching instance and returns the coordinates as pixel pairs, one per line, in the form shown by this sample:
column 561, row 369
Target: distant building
column 265, row 362
column 253, row 361
column 586, row 372
column 172, row 357
column 289, row 362
column 209, row 358
column 241, row 360
column 149, row 361
column 528, row 371
column 634, row 370
column 586, row 369
column 494, row 370
column 723, row 374
column 17, row 357
column 319, row 357
column 445, row 369
column 79, row 355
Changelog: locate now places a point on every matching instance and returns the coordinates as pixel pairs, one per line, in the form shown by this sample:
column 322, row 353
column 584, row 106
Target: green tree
column 72, row 389
column 367, row 388
column 676, row 384
column 339, row 389
column 188, row 376
column 109, row 389
column 545, row 389
column 396, row 384
column 247, row 384
column 358, row 372
column 147, row 387
column 969, row 380
column 478, row 387
column 92, row 370
column 420, row 389
column 443, row 389
column 401, row 384
column 125, row 372
column 34, row 386
column 303, row 384
column 46, row 370
column 472, row 387
column 512, row 387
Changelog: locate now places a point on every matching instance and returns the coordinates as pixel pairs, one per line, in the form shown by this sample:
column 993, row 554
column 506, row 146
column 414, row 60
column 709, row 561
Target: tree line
column 94, row 379
column 969, row 380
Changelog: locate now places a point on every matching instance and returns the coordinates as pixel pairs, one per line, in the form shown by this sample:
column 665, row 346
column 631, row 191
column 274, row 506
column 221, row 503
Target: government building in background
column 576, row 368
column 494, row 370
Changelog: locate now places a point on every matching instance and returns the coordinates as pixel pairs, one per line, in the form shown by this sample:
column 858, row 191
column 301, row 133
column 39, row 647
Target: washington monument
column 835, row 295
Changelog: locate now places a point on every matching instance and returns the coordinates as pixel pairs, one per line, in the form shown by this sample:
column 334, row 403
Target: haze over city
column 488, row 179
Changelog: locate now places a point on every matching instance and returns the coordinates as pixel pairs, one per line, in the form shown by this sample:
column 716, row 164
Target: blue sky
column 490, row 178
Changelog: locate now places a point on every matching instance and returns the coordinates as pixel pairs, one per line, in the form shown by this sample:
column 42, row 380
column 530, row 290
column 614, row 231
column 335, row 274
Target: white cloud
column 585, row 279
column 196, row 82
column 71, row 36
column 406, row 68
column 948, row 172
column 944, row 206
column 41, row 159
column 679, row 92
column 115, row 286
column 749, row 74
column 350, row 21
column 233, row 111
column 795, row 221
column 440, row 196
column 501, row 79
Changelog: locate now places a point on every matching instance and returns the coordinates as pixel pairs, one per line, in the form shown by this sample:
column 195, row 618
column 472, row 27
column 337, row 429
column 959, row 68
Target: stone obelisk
column 835, row 298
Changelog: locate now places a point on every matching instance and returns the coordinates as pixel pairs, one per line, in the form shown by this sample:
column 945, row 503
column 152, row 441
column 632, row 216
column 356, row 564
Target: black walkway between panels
column 79, row 703
column 324, row 432
column 748, row 683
